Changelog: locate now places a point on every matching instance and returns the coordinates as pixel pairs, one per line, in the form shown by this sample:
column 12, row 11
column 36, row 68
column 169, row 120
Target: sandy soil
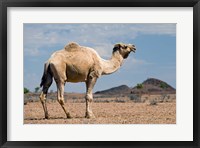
column 106, row 113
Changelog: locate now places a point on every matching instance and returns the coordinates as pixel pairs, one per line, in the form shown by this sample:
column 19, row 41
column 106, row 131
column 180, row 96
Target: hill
column 153, row 86
column 149, row 86
column 122, row 89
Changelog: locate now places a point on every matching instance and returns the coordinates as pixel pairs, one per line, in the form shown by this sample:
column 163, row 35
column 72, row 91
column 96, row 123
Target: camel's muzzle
column 134, row 50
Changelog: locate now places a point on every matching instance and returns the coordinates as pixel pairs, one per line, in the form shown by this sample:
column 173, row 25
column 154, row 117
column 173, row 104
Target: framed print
column 114, row 73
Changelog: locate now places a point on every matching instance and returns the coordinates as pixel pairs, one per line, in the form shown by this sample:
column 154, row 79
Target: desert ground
column 107, row 111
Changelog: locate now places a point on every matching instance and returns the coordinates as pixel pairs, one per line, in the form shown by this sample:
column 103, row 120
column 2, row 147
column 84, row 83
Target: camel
column 77, row 63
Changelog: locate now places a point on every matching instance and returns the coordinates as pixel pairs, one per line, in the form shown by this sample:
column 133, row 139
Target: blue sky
column 155, row 56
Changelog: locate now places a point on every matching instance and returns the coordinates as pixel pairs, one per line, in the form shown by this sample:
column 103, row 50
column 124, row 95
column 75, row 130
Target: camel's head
column 124, row 49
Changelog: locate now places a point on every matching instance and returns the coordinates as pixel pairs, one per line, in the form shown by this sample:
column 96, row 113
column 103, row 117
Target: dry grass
column 106, row 113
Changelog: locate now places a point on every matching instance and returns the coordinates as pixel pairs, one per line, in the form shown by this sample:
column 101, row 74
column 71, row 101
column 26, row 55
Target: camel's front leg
column 89, row 97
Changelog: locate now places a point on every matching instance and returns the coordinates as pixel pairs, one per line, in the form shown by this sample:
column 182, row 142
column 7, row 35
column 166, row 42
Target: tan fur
column 76, row 63
column 72, row 46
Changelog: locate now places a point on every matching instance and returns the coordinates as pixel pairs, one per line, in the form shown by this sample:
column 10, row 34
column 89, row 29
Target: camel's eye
column 125, row 47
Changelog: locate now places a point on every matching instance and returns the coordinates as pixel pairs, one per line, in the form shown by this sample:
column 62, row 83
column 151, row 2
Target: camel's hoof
column 89, row 115
column 47, row 117
column 69, row 116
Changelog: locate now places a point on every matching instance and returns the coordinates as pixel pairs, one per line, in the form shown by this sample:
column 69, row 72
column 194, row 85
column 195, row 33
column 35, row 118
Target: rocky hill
column 149, row 86
column 123, row 89
column 153, row 86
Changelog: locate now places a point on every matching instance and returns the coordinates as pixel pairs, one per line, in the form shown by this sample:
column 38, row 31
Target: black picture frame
column 4, row 4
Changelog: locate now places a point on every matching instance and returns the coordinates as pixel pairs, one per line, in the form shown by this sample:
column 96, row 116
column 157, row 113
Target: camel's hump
column 72, row 46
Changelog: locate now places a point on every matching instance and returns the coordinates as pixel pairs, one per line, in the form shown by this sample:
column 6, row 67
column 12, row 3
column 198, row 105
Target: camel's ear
column 116, row 47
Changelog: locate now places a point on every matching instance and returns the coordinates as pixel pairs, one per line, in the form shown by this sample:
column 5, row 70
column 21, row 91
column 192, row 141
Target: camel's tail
column 47, row 72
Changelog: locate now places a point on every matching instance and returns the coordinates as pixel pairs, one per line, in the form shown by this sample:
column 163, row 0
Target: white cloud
column 139, row 62
column 134, row 63
column 104, row 50
column 162, row 29
column 101, row 37
column 31, row 52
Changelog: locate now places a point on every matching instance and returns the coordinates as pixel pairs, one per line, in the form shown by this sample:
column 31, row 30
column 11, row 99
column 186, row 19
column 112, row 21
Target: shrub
column 26, row 90
column 135, row 98
column 119, row 100
column 165, row 98
column 163, row 85
column 153, row 102
column 139, row 86
column 74, row 98
column 37, row 89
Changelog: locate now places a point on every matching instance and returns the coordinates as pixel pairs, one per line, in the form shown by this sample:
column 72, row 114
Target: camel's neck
column 112, row 65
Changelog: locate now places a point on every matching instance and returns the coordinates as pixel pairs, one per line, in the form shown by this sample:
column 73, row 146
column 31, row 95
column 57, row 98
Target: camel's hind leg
column 43, row 95
column 59, row 74
column 60, row 97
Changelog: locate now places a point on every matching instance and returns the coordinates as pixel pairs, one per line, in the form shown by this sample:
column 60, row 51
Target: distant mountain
column 153, row 86
column 149, row 86
column 123, row 89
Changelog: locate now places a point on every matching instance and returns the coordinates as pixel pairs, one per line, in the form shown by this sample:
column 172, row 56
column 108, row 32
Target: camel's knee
column 42, row 97
column 61, row 100
column 89, row 97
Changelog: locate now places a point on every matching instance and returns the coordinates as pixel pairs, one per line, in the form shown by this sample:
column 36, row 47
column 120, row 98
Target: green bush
column 26, row 90
column 139, row 86
column 163, row 85
column 37, row 89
